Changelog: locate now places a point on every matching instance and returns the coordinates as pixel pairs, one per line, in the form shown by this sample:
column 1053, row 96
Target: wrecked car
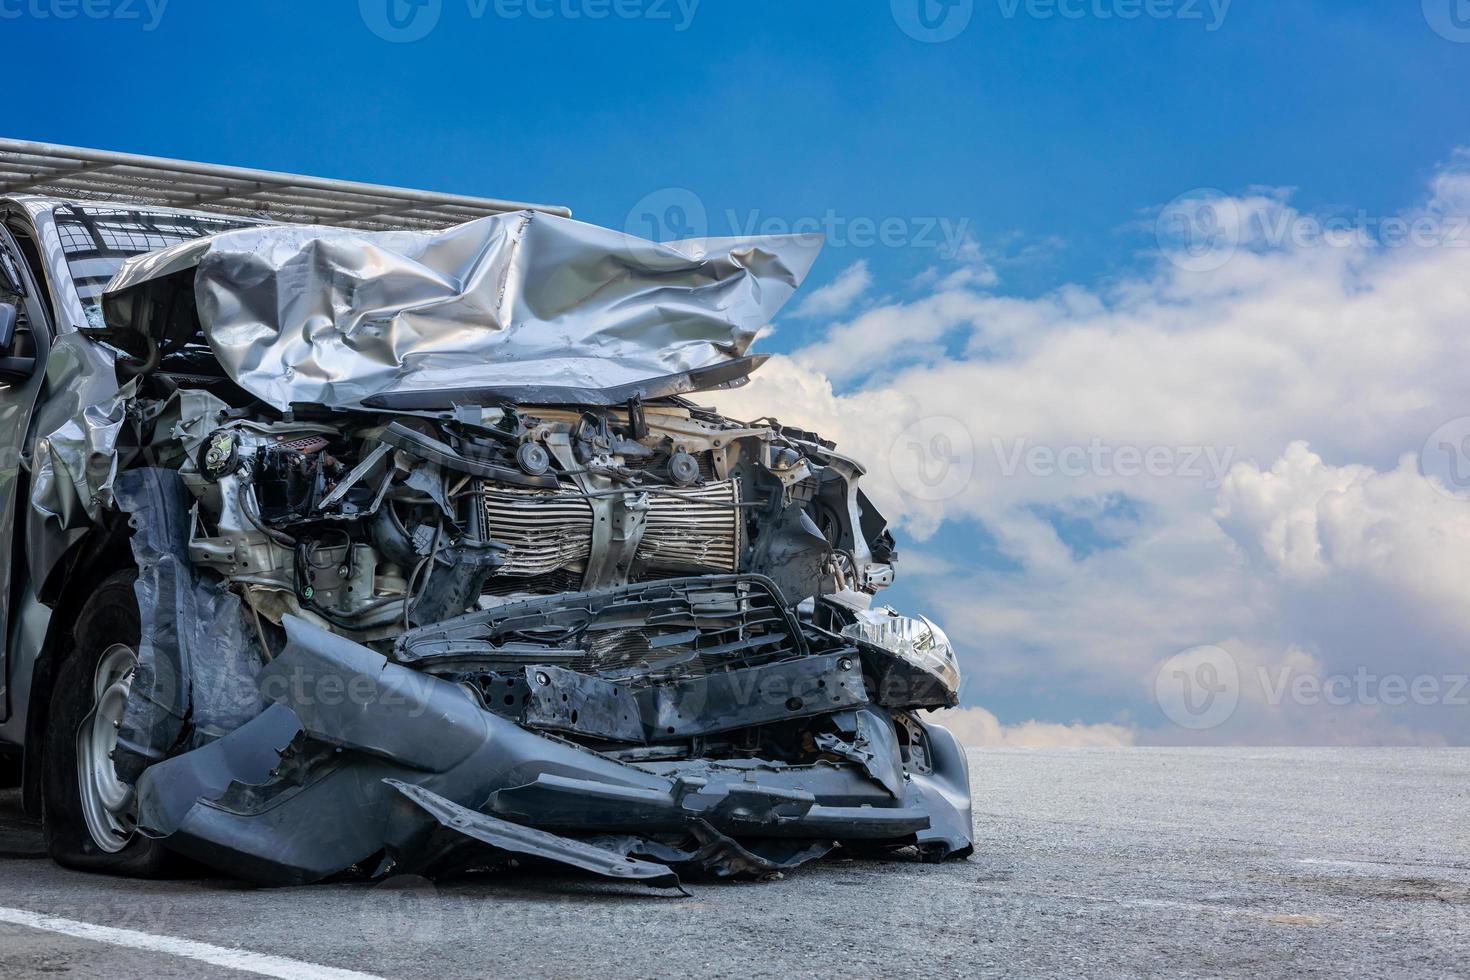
column 352, row 551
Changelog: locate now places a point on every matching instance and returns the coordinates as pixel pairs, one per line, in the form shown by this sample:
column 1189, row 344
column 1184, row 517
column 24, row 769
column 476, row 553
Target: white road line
column 230, row 959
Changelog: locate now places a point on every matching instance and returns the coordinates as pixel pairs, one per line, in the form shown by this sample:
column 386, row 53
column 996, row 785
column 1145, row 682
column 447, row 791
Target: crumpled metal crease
column 197, row 658
column 73, row 468
column 315, row 785
column 332, row 316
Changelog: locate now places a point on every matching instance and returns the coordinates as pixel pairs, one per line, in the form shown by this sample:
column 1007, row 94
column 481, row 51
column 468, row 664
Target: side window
column 31, row 258
column 18, row 348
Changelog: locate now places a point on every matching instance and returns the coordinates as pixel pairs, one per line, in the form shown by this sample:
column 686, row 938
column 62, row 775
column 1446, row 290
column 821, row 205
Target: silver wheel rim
column 108, row 804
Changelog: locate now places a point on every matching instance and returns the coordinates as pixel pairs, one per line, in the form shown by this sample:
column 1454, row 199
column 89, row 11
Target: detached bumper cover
column 360, row 763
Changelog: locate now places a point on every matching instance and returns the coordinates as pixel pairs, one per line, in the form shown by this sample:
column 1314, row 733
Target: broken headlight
column 921, row 668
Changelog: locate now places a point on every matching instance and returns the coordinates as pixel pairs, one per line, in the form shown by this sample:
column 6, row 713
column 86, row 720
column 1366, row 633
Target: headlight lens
column 915, row 640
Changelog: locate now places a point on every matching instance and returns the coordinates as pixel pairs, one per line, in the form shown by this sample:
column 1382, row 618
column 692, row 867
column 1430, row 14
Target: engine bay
column 576, row 605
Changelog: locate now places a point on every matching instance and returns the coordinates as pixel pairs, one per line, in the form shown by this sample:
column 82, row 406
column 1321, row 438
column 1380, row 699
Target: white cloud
column 977, row 728
column 1374, row 561
column 1340, row 554
column 839, row 295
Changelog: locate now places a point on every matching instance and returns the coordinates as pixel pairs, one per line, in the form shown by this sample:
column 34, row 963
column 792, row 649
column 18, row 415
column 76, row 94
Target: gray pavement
column 1134, row 862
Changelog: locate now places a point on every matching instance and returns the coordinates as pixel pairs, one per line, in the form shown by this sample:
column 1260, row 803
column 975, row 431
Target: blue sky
column 1028, row 129
column 1045, row 135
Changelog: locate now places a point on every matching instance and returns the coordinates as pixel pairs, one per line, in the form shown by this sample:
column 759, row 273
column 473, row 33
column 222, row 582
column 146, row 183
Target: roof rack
column 77, row 173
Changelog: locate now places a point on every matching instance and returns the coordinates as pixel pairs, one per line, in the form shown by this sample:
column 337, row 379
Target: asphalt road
column 1258, row 863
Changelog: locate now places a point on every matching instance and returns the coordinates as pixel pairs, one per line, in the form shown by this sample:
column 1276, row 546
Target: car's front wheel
column 90, row 811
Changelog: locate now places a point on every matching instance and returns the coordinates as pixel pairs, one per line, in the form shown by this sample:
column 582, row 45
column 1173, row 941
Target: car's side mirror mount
column 14, row 365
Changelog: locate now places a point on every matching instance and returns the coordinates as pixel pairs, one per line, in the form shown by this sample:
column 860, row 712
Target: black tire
column 110, row 617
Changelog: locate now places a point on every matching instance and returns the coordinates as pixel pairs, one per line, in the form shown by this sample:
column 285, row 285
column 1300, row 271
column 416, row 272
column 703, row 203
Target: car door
column 23, row 346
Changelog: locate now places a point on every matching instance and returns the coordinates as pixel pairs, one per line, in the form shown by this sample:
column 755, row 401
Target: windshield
column 97, row 240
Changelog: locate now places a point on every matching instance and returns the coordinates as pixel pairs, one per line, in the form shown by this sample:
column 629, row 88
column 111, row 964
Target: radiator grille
column 543, row 534
column 549, row 530
column 696, row 530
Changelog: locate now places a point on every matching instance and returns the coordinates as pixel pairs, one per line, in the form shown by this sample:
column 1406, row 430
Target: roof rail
column 77, row 173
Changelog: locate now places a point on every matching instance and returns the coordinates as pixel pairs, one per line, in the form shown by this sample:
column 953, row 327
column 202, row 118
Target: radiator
column 548, row 530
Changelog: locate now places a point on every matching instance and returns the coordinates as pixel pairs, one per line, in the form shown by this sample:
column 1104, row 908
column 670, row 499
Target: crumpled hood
column 537, row 307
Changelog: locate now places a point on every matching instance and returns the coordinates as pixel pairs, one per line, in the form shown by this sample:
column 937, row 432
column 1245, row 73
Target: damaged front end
column 430, row 627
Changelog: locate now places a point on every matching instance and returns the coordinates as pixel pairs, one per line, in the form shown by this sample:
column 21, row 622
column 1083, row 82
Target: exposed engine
column 499, row 569
column 372, row 526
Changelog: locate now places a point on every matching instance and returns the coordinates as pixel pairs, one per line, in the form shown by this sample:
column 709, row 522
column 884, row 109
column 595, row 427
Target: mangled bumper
column 360, row 763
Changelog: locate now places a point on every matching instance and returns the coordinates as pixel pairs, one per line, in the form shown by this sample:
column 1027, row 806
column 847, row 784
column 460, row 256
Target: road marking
column 230, row 959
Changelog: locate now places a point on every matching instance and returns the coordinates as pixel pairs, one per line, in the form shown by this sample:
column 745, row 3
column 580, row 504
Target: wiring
column 412, row 596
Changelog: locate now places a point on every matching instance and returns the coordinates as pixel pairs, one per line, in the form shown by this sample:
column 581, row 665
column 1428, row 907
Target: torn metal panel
column 197, row 657
column 564, row 700
column 79, row 375
column 527, row 841
column 170, row 790
column 712, row 618
column 867, row 737
column 511, row 302
column 75, row 465
column 347, row 695
column 726, row 700
column 722, row 701
column 707, row 852
column 318, row 811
